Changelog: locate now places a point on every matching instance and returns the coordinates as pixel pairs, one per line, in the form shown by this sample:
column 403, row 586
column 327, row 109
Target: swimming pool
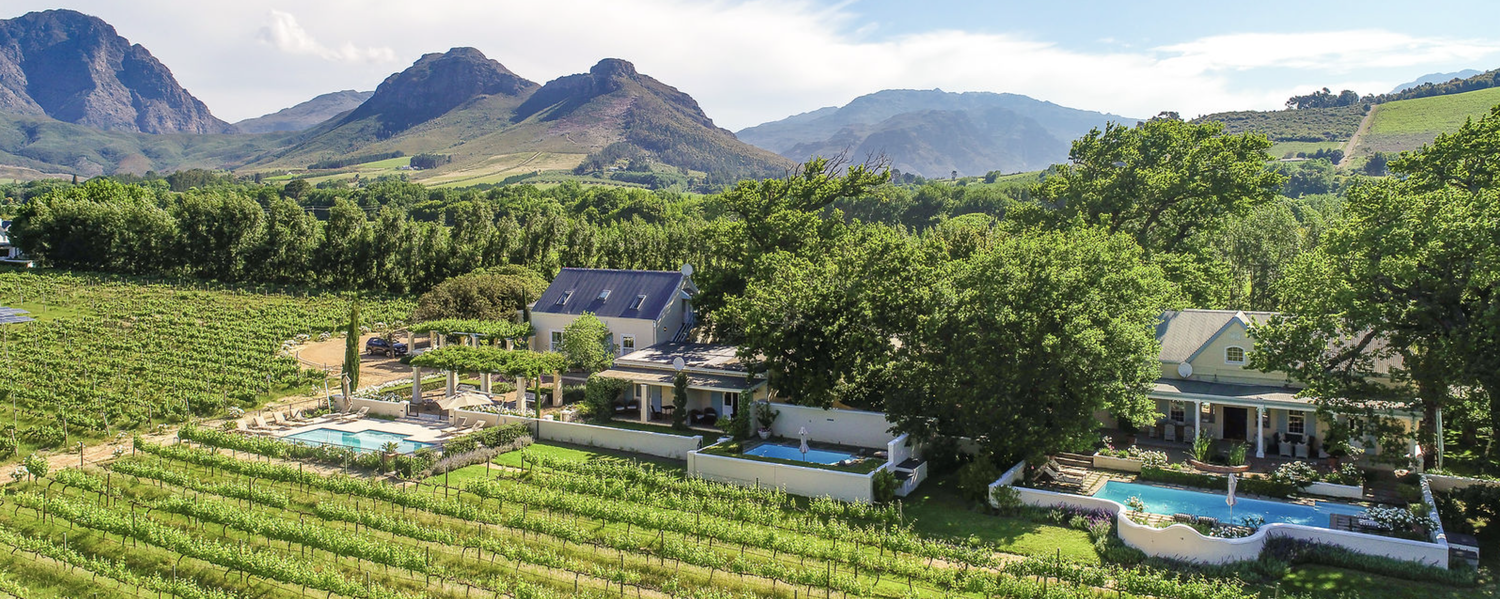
column 1165, row 501
column 362, row 440
column 794, row 453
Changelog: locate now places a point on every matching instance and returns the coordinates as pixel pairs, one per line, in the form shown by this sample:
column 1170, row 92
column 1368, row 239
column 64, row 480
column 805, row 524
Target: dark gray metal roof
column 582, row 287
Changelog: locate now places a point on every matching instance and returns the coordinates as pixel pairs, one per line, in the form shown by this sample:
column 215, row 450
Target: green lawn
column 1323, row 581
column 1407, row 124
column 938, row 510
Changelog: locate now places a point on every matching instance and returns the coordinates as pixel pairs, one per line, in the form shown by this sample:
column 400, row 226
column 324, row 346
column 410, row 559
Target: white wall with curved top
column 1183, row 542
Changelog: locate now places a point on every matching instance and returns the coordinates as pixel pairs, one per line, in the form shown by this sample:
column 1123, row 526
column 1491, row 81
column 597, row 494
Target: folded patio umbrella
column 803, row 434
column 463, row 400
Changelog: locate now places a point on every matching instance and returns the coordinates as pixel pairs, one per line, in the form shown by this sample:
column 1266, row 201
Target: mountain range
column 1436, row 78
column 78, row 98
column 933, row 132
column 307, row 114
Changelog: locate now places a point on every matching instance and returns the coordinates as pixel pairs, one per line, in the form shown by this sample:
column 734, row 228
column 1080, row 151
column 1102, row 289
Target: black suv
column 377, row 345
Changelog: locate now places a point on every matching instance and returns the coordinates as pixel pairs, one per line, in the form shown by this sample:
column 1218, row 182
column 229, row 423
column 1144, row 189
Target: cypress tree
column 351, row 348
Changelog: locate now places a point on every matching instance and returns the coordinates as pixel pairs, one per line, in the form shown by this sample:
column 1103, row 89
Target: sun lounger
column 1183, row 518
column 357, row 415
column 298, row 416
column 280, row 420
column 1208, row 521
column 258, row 423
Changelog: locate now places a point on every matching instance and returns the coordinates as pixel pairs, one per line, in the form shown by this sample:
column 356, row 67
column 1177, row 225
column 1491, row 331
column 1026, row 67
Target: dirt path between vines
column 1364, row 127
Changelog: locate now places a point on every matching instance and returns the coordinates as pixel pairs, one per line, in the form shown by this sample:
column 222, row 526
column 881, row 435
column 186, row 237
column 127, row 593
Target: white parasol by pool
column 463, row 400
column 1230, row 499
column 802, row 433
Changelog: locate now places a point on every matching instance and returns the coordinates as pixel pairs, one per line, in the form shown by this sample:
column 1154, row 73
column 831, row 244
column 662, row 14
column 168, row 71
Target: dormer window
column 1234, row 354
column 639, row 301
column 604, row 295
column 563, row 299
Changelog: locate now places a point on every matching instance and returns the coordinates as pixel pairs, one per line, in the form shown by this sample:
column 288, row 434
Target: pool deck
column 420, row 431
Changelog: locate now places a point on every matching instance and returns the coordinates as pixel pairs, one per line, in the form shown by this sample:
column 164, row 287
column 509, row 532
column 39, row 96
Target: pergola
column 522, row 364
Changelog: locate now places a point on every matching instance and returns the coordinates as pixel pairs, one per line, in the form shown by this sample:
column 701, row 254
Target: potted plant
column 388, row 453
column 764, row 416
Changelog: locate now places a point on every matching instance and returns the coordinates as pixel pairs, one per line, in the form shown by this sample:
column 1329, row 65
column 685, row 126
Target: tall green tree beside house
column 1172, row 186
column 586, row 344
column 679, row 401
column 1411, row 272
column 1029, row 338
column 351, row 347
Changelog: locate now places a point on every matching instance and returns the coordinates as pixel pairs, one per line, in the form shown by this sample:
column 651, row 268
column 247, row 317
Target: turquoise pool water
column 794, row 453
column 1165, row 501
column 362, row 440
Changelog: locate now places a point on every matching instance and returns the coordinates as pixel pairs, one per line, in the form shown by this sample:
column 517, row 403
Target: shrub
column 1256, row 486
column 599, row 395
column 1005, row 498
column 452, row 461
column 7, row 447
column 974, row 480
column 944, row 457
column 884, row 486
column 1297, row 473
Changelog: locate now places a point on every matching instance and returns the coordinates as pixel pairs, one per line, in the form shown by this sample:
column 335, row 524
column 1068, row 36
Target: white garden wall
column 384, row 408
column 1114, row 463
column 1333, row 490
column 1443, row 483
column 797, row 480
column 663, row 445
column 844, row 427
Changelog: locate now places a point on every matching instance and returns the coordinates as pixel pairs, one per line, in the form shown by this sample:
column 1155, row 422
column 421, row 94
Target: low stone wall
column 797, row 480
column 1444, row 483
column 898, row 450
column 1183, row 542
column 845, row 427
column 663, row 445
column 1335, row 490
column 1113, row 463
column 385, row 408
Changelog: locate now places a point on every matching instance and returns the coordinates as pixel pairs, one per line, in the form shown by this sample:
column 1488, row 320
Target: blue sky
column 750, row 61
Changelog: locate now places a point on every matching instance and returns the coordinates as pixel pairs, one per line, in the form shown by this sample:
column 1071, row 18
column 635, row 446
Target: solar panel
column 15, row 319
column 11, row 311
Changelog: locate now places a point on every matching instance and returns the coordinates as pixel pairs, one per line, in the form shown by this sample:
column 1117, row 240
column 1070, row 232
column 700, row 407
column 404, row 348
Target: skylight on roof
column 639, row 299
column 564, row 299
column 604, row 295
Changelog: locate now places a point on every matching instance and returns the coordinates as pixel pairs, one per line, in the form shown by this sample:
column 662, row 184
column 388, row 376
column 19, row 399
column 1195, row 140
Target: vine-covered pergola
column 521, row 364
column 499, row 332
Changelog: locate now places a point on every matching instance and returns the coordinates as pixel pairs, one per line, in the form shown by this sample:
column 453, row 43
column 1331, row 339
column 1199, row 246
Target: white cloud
column 286, row 34
column 1336, row 51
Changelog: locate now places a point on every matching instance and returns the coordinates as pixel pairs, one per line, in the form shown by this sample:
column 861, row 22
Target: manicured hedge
column 1253, row 486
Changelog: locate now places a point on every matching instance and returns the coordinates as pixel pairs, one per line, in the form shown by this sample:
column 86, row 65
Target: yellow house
column 1206, row 387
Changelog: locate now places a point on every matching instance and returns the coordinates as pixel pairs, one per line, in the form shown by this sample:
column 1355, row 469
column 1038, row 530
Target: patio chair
column 280, row 420
column 1208, row 521
column 1285, row 449
column 298, row 416
column 694, row 416
column 710, row 416
column 364, row 411
column 1170, row 432
column 258, row 423
column 656, row 413
column 1302, row 450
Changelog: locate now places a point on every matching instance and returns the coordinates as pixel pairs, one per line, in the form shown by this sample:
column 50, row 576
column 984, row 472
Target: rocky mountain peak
column 435, row 84
column 75, row 68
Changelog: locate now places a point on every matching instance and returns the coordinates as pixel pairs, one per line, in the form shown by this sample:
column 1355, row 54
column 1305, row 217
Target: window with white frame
column 1234, row 354
column 556, row 341
column 1296, row 423
column 627, row 344
column 1177, row 412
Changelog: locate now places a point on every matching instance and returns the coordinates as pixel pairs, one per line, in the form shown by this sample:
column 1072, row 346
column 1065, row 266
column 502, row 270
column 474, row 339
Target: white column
column 416, row 384
column 1197, row 420
column 557, row 399
column 646, row 405
column 1260, row 433
column 452, row 382
column 521, row 393
column 484, row 382
column 410, row 343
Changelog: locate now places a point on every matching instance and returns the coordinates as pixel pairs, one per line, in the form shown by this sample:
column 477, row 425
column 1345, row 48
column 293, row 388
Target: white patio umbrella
column 1230, row 499
column 463, row 400
column 802, row 433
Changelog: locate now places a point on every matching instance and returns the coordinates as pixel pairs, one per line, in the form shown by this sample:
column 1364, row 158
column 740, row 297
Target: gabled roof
column 582, row 287
column 1183, row 333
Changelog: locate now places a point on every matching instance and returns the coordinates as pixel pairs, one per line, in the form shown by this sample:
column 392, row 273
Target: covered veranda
column 1274, row 422
column 651, row 395
column 522, row 366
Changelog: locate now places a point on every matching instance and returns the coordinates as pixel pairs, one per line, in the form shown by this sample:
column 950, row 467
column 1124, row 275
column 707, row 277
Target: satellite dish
column 1184, row 370
column 687, row 270
column 678, row 363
